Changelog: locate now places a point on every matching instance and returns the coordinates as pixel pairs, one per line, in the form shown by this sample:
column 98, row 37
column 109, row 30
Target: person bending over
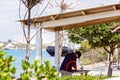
column 69, row 62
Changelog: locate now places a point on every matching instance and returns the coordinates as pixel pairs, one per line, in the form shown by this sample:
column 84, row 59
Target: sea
column 19, row 55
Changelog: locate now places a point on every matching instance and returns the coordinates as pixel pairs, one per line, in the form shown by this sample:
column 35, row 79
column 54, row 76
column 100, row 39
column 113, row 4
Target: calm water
column 20, row 55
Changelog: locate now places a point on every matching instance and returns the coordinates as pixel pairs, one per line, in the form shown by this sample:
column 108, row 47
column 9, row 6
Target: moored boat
column 65, row 50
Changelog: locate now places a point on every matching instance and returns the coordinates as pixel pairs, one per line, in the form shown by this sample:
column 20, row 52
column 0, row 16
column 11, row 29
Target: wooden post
column 39, row 44
column 58, row 49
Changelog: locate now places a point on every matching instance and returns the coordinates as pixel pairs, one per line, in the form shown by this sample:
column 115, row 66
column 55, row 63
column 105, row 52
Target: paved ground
column 116, row 78
column 101, row 69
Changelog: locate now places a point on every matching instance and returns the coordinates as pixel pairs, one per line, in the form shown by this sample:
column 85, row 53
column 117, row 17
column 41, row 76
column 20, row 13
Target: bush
column 94, row 56
column 87, row 62
column 39, row 72
column 7, row 71
column 102, row 56
column 82, row 77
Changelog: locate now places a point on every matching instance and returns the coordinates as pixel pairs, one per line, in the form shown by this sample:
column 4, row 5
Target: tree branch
column 106, row 49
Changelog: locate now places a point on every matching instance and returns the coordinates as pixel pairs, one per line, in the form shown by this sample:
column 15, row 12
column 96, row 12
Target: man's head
column 78, row 53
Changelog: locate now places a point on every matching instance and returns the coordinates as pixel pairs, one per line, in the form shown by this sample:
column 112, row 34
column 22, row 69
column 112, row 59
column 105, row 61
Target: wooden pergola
column 69, row 20
column 115, row 28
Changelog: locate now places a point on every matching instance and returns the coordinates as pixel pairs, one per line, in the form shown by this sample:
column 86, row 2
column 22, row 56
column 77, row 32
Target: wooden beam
column 39, row 43
column 80, row 19
column 115, row 28
column 83, row 12
column 114, row 7
column 76, row 13
column 58, row 49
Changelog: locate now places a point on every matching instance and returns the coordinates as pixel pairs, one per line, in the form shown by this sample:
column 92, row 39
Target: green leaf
column 13, row 70
column 2, row 54
column 25, row 64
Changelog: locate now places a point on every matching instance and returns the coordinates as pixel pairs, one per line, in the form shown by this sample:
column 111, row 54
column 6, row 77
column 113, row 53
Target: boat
column 65, row 50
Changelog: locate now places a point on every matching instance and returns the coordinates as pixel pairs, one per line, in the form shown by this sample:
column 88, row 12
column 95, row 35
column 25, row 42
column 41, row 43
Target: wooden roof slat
column 83, row 12
column 115, row 28
column 80, row 19
column 113, row 9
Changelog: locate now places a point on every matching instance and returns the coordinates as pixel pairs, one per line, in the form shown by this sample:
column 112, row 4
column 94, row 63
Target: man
column 69, row 62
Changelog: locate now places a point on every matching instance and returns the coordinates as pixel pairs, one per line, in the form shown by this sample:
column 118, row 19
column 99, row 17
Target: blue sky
column 9, row 13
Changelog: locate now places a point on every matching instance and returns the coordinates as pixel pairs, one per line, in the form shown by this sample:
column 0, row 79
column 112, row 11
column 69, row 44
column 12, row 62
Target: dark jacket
column 69, row 62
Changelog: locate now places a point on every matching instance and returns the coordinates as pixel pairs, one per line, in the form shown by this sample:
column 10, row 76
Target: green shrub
column 102, row 56
column 87, row 62
column 38, row 71
column 0, row 47
column 94, row 56
column 44, row 70
column 82, row 77
column 27, row 70
column 7, row 71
